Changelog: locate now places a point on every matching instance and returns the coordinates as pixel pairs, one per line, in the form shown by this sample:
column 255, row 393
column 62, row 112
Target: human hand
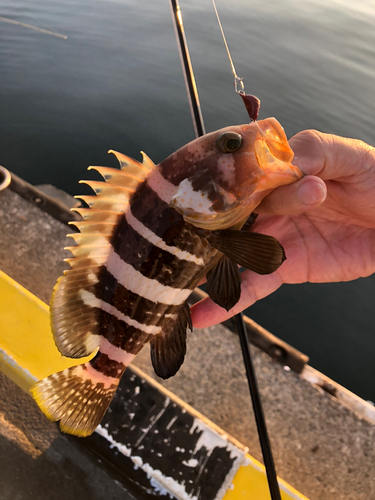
column 325, row 221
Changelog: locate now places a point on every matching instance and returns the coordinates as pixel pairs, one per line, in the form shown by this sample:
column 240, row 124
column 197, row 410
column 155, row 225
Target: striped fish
column 150, row 234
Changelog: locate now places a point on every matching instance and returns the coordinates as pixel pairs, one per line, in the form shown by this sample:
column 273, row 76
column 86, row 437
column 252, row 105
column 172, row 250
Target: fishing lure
column 150, row 234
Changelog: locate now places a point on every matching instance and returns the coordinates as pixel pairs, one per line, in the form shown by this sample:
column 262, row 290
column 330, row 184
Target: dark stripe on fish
column 152, row 261
column 122, row 335
column 131, row 304
column 108, row 367
column 166, row 222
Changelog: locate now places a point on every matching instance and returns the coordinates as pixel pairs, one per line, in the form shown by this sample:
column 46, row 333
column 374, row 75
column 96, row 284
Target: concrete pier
column 321, row 447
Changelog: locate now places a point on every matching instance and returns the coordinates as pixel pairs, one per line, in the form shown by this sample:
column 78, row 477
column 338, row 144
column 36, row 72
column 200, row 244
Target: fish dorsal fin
column 168, row 348
column 260, row 253
column 76, row 300
column 224, row 283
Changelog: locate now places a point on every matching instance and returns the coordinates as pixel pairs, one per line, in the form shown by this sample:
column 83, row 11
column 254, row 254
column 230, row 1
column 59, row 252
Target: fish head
column 222, row 176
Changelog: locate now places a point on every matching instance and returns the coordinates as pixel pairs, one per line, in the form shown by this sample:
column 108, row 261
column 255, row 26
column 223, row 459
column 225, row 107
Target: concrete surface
column 321, row 448
column 38, row 463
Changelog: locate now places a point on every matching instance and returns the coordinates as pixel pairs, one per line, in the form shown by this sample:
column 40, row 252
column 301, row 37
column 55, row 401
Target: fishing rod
column 252, row 105
column 187, row 69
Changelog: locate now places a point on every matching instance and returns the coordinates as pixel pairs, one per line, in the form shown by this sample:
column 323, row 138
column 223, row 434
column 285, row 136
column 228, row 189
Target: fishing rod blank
column 258, row 411
column 199, row 130
column 187, row 70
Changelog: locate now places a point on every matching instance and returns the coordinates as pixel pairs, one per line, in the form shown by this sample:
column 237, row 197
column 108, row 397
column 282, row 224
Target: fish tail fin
column 78, row 396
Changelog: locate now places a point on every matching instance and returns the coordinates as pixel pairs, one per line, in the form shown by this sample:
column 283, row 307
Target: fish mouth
column 274, row 156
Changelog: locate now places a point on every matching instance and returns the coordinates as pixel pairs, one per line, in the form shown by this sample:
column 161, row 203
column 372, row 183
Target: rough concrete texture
column 36, row 462
column 321, row 448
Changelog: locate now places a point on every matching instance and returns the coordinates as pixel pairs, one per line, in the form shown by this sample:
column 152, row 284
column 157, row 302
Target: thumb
column 312, row 151
column 305, row 194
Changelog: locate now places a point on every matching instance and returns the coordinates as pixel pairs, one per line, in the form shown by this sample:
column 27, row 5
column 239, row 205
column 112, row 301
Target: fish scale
column 144, row 244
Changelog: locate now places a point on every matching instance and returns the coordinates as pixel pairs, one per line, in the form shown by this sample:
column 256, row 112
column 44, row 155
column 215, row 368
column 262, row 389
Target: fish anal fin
column 260, row 253
column 76, row 398
column 168, row 348
column 224, row 283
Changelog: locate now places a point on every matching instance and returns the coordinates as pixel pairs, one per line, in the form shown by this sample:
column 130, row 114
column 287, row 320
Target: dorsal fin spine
column 75, row 290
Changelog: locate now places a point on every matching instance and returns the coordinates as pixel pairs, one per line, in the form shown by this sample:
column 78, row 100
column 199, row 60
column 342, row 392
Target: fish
column 149, row 234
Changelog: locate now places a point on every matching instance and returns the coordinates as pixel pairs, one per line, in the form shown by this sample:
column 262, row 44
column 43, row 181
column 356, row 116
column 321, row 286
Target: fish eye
column 229, row 142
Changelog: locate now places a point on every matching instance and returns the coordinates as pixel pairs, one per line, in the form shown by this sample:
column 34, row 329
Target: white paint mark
column 193, row 462
column 153, row 422
column 167, row 485
column 171, row 422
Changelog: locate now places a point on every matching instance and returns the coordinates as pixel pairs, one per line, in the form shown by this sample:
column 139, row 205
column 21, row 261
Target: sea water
column 116, row 83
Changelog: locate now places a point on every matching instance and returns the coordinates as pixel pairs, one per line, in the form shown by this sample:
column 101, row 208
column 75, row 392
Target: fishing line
column 237, row 79
column 31, row 27
column 252, row 104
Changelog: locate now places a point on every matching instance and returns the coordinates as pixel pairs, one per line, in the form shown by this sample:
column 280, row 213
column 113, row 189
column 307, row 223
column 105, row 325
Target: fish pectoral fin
column 168, row 348
column 224, row 283
column 260, row 253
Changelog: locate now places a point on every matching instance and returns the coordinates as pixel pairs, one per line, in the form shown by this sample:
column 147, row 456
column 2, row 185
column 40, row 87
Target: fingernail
column 311, row 193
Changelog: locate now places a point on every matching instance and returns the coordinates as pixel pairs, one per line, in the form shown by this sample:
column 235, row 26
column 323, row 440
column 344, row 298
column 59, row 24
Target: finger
column 305, row 194
column 330, row 156
column 254, row 287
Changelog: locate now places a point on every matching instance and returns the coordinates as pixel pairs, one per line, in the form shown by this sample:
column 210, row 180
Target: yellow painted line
column 250, row 483
column 28, row 353
column 27, row 350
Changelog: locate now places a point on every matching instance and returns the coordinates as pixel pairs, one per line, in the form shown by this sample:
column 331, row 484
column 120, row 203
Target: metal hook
column 5, row 178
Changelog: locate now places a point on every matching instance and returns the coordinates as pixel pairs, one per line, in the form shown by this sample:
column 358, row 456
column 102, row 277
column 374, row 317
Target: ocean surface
column 116, row 83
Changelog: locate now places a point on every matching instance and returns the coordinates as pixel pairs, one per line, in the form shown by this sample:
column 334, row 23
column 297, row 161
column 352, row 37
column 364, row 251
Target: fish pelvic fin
column 224, row 283
column 168, row 348
column 75, row 398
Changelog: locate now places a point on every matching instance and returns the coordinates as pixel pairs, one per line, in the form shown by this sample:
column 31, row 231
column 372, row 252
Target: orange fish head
column 224, row 175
